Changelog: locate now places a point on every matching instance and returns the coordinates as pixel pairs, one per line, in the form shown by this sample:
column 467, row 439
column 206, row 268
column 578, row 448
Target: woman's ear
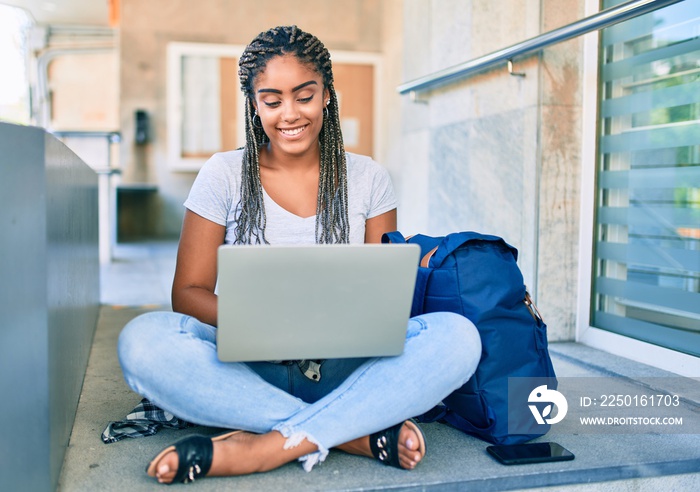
column 326, row 97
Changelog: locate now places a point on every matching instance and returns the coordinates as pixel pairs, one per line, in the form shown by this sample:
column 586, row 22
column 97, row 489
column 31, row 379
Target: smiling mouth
column 291, row 132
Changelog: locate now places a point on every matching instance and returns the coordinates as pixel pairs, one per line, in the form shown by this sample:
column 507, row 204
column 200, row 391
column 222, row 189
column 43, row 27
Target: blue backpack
column 477, row 276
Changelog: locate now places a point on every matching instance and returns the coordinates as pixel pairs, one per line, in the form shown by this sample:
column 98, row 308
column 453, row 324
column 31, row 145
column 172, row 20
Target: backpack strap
column 435, row 414
column 393, row 237
column 441, row 413
column 423, row 274
column 464, row 425
column 425, row 261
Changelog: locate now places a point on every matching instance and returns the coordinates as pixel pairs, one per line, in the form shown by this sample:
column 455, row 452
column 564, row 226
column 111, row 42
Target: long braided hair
column 331, row 206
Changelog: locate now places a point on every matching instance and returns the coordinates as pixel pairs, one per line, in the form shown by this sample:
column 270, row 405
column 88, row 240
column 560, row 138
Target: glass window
column 14, row 86
column 647, row 241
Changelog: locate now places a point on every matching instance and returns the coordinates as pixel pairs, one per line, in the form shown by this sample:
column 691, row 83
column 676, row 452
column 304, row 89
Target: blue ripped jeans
column 171, row 359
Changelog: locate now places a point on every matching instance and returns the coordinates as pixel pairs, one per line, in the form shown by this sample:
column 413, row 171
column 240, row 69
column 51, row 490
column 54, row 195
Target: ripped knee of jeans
column 294, row 438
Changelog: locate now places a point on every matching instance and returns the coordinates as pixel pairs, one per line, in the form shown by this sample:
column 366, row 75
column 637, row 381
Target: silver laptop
column 314, row 301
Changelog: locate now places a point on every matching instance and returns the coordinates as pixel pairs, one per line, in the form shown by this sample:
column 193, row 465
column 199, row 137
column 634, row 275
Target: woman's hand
column 195, row 273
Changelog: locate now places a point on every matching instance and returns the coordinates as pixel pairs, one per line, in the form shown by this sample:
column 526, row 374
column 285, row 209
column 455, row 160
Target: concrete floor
column 138, row 280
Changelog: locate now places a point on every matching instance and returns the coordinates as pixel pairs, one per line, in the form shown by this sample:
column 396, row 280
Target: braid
column 251, row 219
column 332, row 218
column 332, row 202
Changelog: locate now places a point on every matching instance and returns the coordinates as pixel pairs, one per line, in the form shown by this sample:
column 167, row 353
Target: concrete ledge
column 49, row 299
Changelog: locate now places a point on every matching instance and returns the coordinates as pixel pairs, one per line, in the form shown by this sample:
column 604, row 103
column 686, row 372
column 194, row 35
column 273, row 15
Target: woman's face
column 290, row 98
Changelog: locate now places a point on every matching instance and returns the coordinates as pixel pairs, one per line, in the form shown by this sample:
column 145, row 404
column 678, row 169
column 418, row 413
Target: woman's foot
column 238, row 453
column 242, row 453
column 410, row 445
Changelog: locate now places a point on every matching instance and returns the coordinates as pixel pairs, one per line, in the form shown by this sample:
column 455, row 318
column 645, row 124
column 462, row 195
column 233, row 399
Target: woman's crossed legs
column 171, row 359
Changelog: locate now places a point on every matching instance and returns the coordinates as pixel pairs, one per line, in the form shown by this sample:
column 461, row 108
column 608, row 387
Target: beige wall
column 146, row 29
column 84, row 92
column 497, row 153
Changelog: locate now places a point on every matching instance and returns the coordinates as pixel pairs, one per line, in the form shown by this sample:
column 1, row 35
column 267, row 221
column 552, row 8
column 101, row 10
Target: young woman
column 292, row 183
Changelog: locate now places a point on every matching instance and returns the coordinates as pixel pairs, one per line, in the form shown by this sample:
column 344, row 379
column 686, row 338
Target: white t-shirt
column 216, row 192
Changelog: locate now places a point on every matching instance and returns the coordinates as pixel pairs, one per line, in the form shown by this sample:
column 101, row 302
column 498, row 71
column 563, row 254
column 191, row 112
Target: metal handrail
column 602, row 19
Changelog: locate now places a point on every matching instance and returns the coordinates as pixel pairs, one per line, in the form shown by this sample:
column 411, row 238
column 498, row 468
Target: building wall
column 146, row 29
column 497, row 153
column 84, row 91
column 558, row 228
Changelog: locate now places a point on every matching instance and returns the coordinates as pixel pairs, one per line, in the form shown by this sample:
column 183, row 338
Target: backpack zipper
column 532, row 308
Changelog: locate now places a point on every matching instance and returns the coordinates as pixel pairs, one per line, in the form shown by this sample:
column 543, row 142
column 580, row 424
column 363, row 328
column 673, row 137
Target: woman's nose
column 290, row 113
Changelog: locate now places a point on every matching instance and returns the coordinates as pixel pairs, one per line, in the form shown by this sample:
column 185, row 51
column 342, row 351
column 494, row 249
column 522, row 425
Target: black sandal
column 194, row 455
column 385, row 444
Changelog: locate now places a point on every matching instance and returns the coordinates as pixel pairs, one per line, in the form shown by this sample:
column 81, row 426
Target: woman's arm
column 376, row 226
column 195, row 272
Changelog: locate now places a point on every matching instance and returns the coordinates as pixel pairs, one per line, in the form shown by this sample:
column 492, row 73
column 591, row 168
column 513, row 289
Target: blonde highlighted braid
column 332, row 203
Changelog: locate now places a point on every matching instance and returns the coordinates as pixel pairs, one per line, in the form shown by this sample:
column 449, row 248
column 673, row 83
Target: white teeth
column 295, row 131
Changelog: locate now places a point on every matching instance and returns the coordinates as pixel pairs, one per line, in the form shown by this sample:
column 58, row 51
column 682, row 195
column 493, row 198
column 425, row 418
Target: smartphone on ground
column 537, row 452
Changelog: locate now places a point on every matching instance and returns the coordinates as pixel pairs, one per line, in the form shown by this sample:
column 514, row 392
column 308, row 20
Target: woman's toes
column 407, row 463
column 166, row 468
column 409, row 439
column 409, row 454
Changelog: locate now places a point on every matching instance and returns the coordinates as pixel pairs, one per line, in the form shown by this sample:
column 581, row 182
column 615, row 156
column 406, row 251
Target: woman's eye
column 272, row 104
column 306, row 99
